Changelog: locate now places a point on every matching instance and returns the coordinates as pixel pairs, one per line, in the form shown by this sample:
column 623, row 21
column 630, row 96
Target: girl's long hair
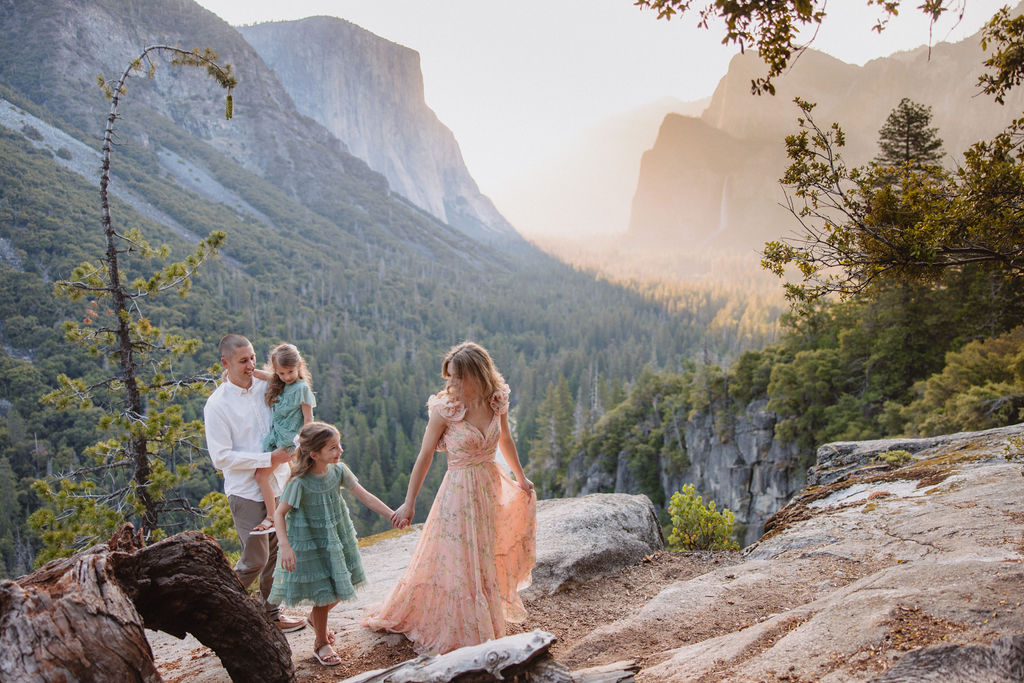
column 285, row 356
column 312, row 438
column 471, row 359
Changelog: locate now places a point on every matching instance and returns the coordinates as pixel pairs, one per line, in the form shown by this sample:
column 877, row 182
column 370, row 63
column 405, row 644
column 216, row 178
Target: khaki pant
column 259, row 553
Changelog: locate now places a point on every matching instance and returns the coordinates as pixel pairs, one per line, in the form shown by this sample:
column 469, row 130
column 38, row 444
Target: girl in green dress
column 290, row 394
column 320, row 562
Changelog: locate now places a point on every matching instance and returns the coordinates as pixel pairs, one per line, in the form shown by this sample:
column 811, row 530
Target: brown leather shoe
column 290, row 624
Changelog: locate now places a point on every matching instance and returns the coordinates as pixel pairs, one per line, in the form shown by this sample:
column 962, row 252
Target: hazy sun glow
column 517, row 81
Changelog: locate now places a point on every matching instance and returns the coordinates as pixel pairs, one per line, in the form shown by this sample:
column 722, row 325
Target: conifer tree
column 906, row 137
column 550, row 450
column 129, row 477
column 861, row 227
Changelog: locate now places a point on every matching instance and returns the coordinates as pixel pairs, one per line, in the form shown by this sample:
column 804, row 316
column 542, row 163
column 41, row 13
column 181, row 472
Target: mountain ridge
column 368, row 92
column 857, row 97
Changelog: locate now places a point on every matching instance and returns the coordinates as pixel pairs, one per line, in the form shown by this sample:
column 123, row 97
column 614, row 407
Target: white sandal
column 263, row 528
column 331, row 653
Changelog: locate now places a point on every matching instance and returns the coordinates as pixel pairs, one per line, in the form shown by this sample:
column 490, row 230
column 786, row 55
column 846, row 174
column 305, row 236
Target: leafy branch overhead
column 131, row 474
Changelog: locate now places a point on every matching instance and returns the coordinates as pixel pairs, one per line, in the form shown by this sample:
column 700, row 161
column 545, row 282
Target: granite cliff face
column 713, row 180
column 368, row 92
column 174, row 126
column 265, row 136
column 733, row 460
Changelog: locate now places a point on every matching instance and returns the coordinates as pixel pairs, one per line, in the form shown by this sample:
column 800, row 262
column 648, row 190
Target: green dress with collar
column 320, row 531
column 288, row 419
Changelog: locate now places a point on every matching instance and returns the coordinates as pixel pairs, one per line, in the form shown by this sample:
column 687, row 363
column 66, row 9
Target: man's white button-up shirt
column 236, row 421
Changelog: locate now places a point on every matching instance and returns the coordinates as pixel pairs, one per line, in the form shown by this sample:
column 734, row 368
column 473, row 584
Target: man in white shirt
column 237, row 418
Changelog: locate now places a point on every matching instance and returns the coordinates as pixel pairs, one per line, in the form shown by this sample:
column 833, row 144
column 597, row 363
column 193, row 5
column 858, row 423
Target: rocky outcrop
column 857, row 573
column 745, row 469
column 1003, row 660
column 732, row 459
column 908, row 572
column 835, row 461
column 368, row 91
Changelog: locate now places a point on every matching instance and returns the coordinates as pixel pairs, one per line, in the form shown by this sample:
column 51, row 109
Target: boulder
column 579, row 539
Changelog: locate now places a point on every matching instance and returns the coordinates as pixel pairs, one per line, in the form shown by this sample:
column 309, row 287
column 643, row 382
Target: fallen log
column 83, row 618
column 519, row 657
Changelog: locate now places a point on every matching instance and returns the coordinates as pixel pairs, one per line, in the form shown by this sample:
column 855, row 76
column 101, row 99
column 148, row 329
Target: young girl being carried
column 320, row 562
column 290, row 394
column 479, row 541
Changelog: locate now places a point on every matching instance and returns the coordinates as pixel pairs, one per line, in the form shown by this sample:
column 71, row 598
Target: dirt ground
column 576, row 611
column 570, row 614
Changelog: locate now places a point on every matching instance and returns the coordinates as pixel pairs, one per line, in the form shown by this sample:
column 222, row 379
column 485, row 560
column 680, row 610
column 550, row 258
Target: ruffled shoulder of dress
column 499, row 400
column 446, row 406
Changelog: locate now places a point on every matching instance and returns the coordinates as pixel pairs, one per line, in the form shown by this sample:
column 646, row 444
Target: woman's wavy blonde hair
column 312, row 438
column 284, row 356
column 471, row 359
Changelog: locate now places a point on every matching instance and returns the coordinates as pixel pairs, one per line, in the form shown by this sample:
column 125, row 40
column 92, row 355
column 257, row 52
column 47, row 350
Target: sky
column 516, row 80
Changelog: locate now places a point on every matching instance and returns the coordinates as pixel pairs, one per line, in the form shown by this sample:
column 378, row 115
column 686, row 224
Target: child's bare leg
column 322, row 636
column 262, row 477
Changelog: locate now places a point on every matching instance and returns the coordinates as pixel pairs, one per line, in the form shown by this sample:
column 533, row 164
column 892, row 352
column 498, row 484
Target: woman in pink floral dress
column 479, row 541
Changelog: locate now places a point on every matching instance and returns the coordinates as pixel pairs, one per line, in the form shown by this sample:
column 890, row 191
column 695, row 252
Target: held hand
column 402, row 516
column 279, row 456
column 288, row 559
column 396, row 521
column 525, row 484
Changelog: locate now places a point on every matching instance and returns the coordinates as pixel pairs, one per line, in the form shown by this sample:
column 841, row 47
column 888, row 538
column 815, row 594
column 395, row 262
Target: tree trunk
column 83, row 618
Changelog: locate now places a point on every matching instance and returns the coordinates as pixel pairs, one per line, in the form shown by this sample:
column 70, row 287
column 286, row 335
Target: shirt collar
column 239, row 391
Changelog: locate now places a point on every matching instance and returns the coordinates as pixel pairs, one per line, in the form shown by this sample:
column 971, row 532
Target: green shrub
column 699, row 527
column 894, row 458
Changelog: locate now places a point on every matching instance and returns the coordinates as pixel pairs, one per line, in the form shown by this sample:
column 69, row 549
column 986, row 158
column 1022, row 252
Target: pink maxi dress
column 477, row 549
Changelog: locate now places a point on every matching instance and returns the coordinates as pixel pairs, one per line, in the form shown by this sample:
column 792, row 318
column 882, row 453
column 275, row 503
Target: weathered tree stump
column 83, row 618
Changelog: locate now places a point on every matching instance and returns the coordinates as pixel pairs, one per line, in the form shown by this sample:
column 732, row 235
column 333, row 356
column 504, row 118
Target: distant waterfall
column 723, row 210
column 723, row 214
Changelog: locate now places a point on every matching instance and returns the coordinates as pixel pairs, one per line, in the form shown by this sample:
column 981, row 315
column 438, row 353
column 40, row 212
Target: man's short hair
column 231, row 343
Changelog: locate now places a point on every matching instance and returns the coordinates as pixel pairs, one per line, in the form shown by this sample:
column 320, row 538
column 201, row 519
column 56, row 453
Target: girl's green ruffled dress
column 288, row 417
column 320, row 531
